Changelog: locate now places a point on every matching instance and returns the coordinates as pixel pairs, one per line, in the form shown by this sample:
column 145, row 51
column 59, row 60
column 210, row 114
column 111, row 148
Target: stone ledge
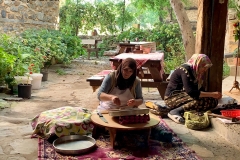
column 5, row 20
column 233, row 70
column 231, row 132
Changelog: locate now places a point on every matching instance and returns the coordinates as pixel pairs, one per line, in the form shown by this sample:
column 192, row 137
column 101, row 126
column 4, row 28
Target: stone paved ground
column 72, row 89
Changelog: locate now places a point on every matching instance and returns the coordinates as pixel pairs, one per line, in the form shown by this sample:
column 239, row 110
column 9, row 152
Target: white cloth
column 123, row 95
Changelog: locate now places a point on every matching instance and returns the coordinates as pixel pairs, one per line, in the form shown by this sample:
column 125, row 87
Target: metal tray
column 128, row 112
column 74, row 144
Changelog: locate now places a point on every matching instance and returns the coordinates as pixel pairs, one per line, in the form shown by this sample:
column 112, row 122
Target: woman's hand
column 217, row 95
column 116, row 100
column 131, row 102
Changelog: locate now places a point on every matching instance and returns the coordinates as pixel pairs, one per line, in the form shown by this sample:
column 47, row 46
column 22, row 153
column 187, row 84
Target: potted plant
column 24, row 89
column 35, row 75
column 35, row 63
column 25, row 82
column 22, row 81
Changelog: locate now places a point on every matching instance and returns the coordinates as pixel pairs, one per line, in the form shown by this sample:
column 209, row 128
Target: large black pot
column 24, row 90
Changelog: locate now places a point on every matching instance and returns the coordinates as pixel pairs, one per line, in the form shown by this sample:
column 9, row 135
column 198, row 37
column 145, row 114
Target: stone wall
column 19, row 15
column 230, row 43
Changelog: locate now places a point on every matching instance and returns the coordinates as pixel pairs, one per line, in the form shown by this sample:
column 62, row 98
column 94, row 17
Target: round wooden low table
column 113, row 125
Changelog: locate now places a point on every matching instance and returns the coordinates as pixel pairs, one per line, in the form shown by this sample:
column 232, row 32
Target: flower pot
column 45, row 75
column 37, row 79
column 24, row 90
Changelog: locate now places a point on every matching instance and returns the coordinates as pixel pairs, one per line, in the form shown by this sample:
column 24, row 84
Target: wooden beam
column 211, row 28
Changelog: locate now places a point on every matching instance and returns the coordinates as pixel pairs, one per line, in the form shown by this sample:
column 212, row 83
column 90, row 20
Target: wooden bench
column 96, row 80
column 91, row 46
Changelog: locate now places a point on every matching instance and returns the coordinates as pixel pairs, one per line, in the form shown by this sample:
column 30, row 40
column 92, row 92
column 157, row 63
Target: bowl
column 231, row 113
column 74, row 144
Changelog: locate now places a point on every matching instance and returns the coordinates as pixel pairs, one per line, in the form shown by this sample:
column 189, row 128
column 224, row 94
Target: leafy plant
column 235, row 53
column 10, row 44
column 6, row 65
column 173, row 61
column 48, row 44
column 235, row 5
column 226, row 70
column 108, row 17
column 20, row 64
column 108, row 43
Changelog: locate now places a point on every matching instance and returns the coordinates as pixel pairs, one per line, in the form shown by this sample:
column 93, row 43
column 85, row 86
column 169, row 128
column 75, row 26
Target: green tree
column 107, row 16
column 74, row 15
column 234, row 4
column 161, row 7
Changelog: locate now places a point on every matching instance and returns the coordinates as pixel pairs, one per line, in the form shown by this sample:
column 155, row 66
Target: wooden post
column 210, row 40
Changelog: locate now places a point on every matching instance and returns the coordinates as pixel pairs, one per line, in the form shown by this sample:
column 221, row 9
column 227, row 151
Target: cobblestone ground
column 72, row 89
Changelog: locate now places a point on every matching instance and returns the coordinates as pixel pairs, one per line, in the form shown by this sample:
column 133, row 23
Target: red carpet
column 176, row 150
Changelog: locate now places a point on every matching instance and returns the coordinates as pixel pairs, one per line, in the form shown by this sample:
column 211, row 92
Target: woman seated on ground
column 121, row 88
column 189, row 76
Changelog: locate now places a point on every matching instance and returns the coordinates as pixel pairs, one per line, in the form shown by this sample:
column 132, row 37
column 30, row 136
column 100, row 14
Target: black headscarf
column 122, row 83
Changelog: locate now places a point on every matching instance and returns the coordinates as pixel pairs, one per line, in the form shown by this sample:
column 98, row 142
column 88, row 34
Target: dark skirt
column 182, row 99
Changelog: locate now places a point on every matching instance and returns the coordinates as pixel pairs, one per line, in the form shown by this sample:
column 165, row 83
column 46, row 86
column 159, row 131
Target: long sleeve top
column 183, row 79
column 107, row 85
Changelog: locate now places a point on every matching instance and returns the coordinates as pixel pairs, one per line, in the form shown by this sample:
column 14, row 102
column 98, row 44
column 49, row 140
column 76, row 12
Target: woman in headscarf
column 185, row 91
column 121, row 88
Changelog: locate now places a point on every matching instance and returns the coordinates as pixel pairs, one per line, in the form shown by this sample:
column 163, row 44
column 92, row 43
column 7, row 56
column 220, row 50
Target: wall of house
column 230, row 43
column 19, row 15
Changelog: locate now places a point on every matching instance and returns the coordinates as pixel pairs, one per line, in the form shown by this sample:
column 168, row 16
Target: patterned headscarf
column 198, row 61
column 126, row 83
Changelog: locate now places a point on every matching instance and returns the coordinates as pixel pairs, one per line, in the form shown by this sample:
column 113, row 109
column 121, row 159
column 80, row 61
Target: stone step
column 230, row 132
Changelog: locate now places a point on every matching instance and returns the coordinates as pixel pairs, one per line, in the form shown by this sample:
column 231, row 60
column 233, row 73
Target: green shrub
column 226, row 70
column 6, row 65
column 53, row 43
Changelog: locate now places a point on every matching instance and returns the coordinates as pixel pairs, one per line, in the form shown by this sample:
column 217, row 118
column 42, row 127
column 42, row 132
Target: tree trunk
column 211, row 28
column 185, row 26
column 203, row 33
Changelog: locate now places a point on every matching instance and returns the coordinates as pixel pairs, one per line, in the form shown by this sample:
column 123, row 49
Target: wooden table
column 113, row 125
column 154, row 63
column 128, row 47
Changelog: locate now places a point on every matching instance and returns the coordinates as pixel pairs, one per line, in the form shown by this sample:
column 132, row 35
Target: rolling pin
column 220, row 116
